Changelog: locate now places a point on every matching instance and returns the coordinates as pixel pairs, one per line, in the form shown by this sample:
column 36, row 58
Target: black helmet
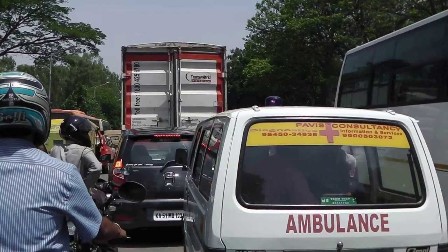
column 24, row 107
column 76, row 129
column 273, row 101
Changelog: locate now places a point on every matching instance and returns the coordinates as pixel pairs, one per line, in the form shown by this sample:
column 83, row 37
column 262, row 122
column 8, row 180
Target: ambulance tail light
column 443, row 247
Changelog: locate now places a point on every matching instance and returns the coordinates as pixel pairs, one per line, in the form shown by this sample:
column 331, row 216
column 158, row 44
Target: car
column 146, row 156
column 312, row 179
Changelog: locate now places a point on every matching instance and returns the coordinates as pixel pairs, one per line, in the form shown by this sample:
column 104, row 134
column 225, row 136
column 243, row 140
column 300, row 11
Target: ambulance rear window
column 328, row 164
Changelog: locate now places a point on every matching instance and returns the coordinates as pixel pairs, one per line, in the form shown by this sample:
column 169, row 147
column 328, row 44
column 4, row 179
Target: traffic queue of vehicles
column 272, row 178
column 168, row 88
column 268, row 179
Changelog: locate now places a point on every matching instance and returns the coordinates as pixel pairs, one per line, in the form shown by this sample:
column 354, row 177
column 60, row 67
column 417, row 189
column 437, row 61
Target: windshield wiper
column 167, row 164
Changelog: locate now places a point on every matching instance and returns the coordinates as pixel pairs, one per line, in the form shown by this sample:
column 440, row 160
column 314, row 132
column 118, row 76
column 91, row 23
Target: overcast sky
column 127, row 22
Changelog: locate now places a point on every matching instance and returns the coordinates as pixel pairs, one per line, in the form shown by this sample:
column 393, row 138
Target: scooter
column 103, row 195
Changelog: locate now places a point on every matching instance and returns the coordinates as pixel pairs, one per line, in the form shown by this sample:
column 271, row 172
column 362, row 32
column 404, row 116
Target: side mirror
column 181, row 156
column 132, row 191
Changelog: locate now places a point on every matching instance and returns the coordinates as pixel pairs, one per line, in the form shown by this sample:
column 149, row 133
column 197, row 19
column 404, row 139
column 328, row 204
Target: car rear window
column 153, row 151
column 325, row 164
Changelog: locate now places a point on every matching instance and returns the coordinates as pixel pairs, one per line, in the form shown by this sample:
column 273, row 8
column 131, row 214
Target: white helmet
column 24, row 105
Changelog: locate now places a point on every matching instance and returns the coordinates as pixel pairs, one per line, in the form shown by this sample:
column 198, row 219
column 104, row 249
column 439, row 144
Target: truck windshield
column 328, row 163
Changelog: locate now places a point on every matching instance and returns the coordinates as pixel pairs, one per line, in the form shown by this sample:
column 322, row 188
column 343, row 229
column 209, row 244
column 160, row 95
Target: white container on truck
column 172, row 84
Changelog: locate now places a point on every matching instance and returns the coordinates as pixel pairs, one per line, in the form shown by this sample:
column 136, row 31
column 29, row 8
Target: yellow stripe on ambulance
column 319, row 133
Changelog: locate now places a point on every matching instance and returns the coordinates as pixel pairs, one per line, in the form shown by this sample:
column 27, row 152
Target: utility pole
column 49, row 90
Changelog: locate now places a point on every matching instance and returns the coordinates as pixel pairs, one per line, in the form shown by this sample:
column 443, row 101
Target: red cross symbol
column 329, row 133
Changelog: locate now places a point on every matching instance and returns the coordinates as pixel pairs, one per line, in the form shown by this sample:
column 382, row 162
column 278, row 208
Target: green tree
column 80, row 100
column 92, row 87
column 40, row 28
column 74, row 82
column 42, row 72
column 7, row 64
column 109, row 99
column 295, row 48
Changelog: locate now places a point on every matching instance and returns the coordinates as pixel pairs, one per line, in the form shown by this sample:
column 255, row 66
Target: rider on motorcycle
column 75, row 130
column 39, row 193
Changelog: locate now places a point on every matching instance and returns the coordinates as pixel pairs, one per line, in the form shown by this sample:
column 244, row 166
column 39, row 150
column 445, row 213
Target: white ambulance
column 308, row 178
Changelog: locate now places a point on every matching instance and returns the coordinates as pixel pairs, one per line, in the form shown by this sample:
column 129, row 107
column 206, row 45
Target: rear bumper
column 130, row 215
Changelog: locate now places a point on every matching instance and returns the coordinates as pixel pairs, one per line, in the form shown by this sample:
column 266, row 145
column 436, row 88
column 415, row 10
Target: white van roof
column 301, row 111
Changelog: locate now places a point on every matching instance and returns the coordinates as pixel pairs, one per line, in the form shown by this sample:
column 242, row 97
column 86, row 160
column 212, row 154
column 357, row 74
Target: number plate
column 168, row 215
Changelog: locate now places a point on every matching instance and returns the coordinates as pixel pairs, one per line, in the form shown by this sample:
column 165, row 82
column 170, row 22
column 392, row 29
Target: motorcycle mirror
column 101, row 184
column 132, row 191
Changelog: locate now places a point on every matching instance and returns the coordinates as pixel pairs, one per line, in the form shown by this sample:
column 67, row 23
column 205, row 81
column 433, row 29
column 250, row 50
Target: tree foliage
column 295, row 48
column 7, row 64
column 81, row 82
column 40, row 28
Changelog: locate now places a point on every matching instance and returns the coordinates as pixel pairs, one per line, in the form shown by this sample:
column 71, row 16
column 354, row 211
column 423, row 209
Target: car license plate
column 168, row 215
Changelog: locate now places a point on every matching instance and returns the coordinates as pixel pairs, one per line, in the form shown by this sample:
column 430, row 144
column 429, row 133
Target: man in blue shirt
column 38, row 192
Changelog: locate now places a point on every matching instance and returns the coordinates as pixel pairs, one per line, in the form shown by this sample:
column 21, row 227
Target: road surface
column 154, row 240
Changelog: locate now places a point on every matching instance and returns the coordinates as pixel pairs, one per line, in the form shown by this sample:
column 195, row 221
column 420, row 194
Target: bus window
column 356, row 76
column 419, row 84
column 409, row 76
column 380, row 87
column 398, row 70
column 414, row 50
column 384, row 64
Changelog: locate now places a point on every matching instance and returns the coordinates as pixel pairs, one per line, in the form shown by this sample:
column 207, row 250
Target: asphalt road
column 156, row 240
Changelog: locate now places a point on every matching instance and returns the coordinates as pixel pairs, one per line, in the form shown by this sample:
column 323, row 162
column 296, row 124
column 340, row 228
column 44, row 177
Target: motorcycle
column 103, row 195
